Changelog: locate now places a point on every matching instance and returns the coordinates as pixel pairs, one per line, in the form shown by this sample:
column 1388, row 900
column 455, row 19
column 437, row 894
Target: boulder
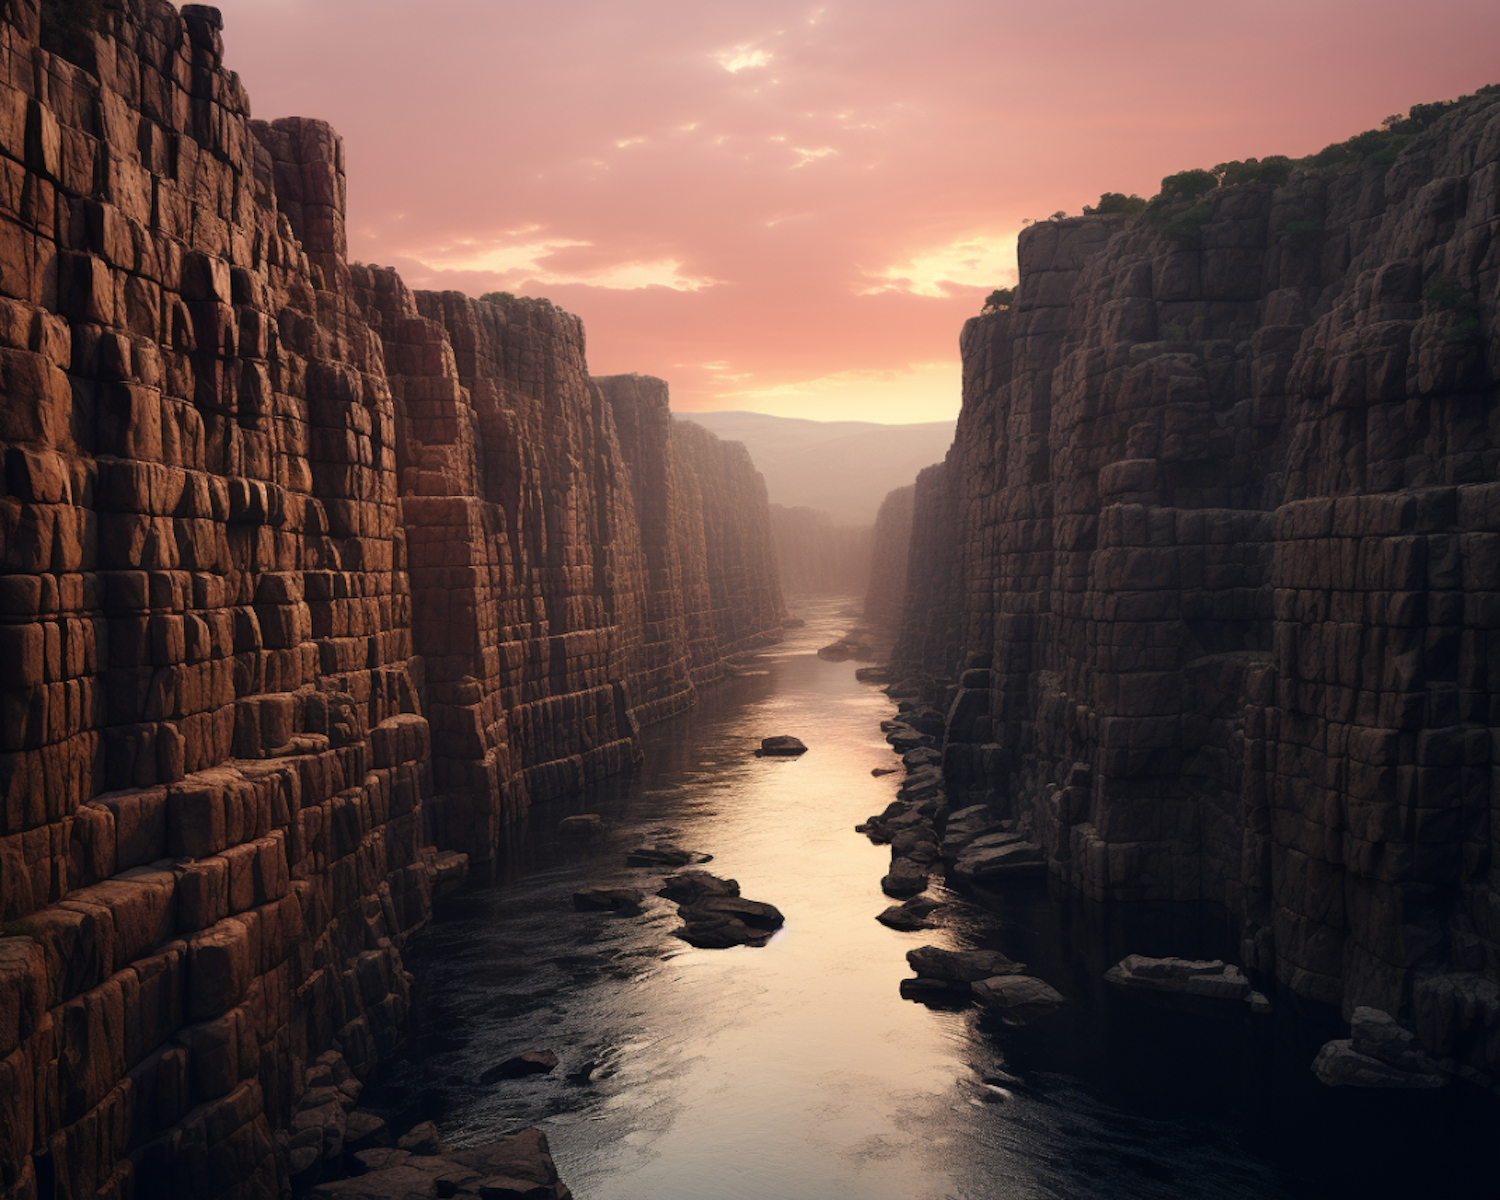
column 1207, row 978
column 690, row 887
column 716, row 922
column 908, row 919
column 935, row 991
column 421, row 1139
column 1379, row 1054
column 584, row 825
column 662, row 855
column 532, row 1062
column 609, row 900
column 961, row 966
column 1016, row 994
column 781, row 746
column 999, row 858
column 905, row 878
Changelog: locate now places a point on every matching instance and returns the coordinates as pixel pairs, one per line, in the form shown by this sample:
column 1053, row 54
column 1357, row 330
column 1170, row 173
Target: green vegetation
column 1173, row 332
column 1116, row 202
column 1181, row 208
column 1444, row 294
column 21, row 928
column 66, row 26
column 497, row 297
column 1186, row 227
column 998, row 299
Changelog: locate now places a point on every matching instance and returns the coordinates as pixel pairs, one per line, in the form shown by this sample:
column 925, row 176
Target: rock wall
column 890, row 545
column 307, row 584
column 816, row 557
column 1223, row 568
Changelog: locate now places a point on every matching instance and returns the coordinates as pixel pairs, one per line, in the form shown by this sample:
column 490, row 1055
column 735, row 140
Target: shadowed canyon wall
column 307, row 585
column 1215, row 564
column 814, row 556
column 890, row 546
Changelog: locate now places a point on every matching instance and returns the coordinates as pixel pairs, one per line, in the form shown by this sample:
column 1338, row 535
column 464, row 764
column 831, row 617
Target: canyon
column 1209, row 581
column 309, row 586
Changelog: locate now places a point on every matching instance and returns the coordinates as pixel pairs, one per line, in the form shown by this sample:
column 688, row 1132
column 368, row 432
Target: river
column 796, row 1071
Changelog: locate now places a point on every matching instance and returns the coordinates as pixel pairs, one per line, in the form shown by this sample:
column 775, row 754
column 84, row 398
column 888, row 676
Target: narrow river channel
column 797, row 1072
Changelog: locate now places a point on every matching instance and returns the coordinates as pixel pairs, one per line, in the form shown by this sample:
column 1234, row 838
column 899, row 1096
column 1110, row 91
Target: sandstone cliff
column 306, row 583
column 816, row 557
column 1222, row 558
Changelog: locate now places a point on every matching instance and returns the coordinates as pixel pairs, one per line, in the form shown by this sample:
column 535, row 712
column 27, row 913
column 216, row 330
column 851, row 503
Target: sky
column 792, row 207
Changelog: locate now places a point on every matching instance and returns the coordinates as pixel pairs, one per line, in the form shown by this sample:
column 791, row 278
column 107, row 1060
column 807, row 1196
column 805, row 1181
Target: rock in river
column 584, row 825
column 533, row 1062
column 718, row 922
column 910, row 916
column 781, row 746
column 690, row 887
column 1380, row 1054
column 961, row 966
column 1210, row 978
column 609, row 900
column 663, row 855
column 1016, row 995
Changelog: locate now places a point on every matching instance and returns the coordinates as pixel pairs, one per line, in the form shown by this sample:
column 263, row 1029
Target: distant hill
column 844, row 468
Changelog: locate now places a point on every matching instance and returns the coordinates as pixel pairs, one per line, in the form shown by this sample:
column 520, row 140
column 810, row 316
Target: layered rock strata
column 1215, row 571
column 307, row 583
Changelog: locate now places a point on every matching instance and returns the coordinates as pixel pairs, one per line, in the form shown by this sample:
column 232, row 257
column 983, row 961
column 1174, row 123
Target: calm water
column 796, row 1071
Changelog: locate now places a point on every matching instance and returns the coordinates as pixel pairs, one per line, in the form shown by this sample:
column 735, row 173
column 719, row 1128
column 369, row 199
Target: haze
column 791, row 208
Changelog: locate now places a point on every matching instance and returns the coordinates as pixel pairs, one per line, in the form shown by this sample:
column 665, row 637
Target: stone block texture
column 1213, row 570
column 307, row 585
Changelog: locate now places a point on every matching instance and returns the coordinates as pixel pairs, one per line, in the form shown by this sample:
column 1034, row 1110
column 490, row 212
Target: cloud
column 742, row 57
column 530, row 261
column 979, row 261
column 811, row 155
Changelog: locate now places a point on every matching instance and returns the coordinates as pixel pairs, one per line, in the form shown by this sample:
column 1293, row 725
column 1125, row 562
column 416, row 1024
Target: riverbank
column 796, row 1069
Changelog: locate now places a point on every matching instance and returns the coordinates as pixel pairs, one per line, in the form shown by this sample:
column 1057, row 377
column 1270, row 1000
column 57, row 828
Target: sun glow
column 976, row 261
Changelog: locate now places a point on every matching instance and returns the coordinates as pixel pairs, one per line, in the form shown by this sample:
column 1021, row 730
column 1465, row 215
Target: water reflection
column 796, row 1071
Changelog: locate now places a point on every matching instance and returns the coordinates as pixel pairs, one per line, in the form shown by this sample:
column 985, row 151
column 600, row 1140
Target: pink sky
column 792, row 207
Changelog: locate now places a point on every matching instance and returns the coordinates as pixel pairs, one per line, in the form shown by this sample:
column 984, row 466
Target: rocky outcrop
column 890, row 545
column 307, row 585
column 1210, row 573
column 815, row 557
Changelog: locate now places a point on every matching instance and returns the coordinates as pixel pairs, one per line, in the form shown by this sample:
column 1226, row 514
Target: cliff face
column 1221, row 561
column 816, row 557
column 890, row 545
column 305, row 583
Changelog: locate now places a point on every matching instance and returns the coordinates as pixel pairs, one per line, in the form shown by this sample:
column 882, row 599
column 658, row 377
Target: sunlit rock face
column 1220, row 521
column 307, row 585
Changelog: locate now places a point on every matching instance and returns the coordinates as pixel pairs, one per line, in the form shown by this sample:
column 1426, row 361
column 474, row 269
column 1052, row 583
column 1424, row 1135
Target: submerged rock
column 584, row 825
column 532, row 1062
column 1208, row 978
column 609, row 900
column 662, row 855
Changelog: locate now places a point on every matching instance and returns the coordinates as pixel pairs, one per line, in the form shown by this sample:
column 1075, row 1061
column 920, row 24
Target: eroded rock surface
column 1208, row 580
column 307, row 585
